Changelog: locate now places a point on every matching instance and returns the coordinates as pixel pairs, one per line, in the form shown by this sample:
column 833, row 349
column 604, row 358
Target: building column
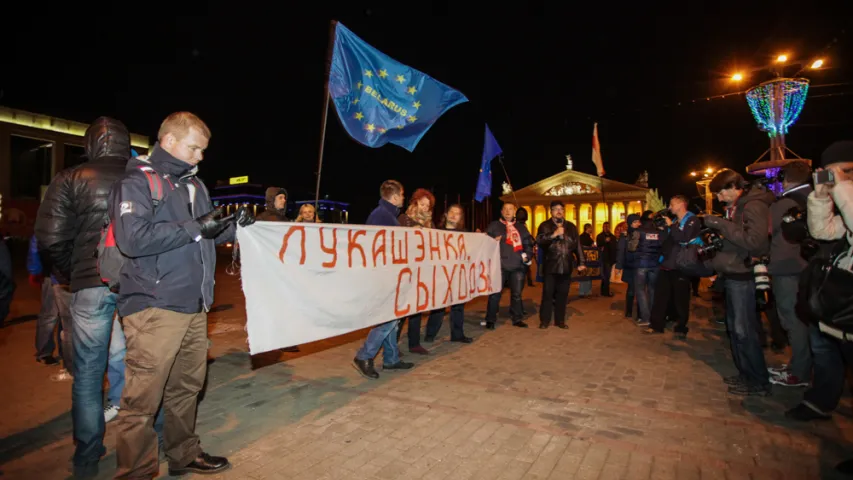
column 57, row 158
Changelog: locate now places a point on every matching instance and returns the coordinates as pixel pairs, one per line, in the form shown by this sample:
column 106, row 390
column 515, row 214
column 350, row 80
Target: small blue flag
column 491, row 149
column 380, row 100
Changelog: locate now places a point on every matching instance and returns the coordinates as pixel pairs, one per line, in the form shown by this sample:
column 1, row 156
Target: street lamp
column 737, row 77
column 782, row 58
column 704, row 187
column 817, row 64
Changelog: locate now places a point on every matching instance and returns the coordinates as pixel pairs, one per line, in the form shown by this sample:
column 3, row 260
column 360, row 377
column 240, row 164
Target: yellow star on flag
column 399, row 127
column 381, row 130
column 359, row 116
column 383, row 73
column 417, row 104
column 368, row 73
column 412, row 90
column 401, row 79
column 358, row 85
column 355, row 101
column 412, row 118
column 370, row 127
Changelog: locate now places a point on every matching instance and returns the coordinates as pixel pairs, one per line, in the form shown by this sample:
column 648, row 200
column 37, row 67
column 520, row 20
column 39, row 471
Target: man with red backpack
column 166, row 290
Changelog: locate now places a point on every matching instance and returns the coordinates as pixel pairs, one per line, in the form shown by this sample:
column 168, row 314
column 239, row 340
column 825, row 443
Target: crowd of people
column 149, row 337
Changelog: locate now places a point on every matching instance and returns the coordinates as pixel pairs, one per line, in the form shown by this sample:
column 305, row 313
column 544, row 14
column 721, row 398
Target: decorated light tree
column 776, row 105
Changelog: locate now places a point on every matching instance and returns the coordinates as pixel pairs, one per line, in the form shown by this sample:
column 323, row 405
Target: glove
column 211, row 224
column 36, row 280
column 712, row 221
column 244, row 217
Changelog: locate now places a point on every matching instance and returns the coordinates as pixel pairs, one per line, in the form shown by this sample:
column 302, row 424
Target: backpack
column 110, row 260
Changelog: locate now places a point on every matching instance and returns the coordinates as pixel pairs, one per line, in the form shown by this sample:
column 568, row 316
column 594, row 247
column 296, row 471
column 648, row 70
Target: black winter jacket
column 74, row 209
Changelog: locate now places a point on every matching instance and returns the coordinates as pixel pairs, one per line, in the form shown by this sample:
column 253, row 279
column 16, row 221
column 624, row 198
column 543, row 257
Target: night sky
column 540, row 78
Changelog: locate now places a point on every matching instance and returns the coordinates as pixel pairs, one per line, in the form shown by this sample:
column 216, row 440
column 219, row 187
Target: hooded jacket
column 785, row 255
column 825, row 224
column 745, row 233
column 74, row 209
column 270, row 213
column 170, row 265
column 624, row 258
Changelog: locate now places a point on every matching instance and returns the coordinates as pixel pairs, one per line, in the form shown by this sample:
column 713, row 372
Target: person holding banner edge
column 417, row 215
column 516, row 247
column 383, row 336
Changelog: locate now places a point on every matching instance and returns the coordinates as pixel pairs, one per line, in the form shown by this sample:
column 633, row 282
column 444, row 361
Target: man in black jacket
column 516, row 247
column 559, row 239
column 166, row 291
column 608, row 248
column 786, row 264
column 672, row 287
column 68, row 228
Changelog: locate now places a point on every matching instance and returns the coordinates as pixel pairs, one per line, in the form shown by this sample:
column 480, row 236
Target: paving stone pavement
column 596, row 401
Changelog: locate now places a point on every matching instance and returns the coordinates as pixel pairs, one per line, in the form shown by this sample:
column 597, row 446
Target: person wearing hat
column 559, row 239
column 275, row 210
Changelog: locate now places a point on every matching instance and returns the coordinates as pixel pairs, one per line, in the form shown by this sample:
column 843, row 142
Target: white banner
column 305, row 281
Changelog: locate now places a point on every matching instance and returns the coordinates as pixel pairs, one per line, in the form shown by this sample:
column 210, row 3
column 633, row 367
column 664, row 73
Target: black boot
column 629, row 306
column 365, row 368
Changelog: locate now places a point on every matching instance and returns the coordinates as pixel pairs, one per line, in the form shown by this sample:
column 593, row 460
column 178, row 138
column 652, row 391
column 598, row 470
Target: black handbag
column 826, row 291
column 688, row 262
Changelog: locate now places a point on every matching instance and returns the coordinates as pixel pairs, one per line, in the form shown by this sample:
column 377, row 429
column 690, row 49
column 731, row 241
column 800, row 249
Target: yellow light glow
column 58, row 125
column 692, row 174
column 817, row 63
column 709, row 170
column 737, row 77
column 782, row 58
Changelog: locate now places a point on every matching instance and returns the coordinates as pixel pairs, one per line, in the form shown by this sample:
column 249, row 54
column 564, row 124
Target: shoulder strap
column 155, row 183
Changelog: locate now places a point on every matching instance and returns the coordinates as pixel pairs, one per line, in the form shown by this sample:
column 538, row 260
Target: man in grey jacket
column 745, row 236
column 786, row 264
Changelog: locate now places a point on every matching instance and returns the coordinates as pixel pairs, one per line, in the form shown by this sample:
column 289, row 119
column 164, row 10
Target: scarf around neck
column 513, row 238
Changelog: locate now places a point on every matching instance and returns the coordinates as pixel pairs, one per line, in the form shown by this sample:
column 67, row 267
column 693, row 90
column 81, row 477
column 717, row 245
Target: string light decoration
column 773, row 183
column 777, row 104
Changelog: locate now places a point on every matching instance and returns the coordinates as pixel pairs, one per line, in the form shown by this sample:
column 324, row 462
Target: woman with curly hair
column 308, row 214
column 418, row 214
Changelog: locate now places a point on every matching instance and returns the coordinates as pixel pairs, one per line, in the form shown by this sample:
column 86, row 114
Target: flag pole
column 326, row 97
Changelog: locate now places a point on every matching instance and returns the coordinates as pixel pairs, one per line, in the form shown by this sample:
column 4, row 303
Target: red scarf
column 513, row 238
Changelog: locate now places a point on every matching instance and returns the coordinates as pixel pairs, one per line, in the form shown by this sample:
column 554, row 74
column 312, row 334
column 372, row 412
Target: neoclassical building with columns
column 583, row 197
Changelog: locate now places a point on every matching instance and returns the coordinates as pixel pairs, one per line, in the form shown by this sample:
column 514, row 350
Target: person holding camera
column 745, row 236
column 558, row 238
column 786, row 264
column 672, row 288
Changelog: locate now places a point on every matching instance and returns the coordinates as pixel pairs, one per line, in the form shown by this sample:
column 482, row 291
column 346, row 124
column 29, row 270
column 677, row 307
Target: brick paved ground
column 597, row 401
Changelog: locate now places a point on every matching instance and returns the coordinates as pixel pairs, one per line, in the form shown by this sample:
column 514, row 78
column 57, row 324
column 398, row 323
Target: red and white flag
column 596, row 152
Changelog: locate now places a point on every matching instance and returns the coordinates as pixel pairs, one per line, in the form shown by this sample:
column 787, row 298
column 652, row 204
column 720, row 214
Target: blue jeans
column 644, row 289
column 92, row 312
column 742, row 323
column 785, row 289
column 47, row 322
column 381, row 336
column 585, row 288
column 115, row 364
column 829, row 358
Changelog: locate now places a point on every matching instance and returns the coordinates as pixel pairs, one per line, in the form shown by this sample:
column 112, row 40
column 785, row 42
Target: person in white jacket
column 830, row 349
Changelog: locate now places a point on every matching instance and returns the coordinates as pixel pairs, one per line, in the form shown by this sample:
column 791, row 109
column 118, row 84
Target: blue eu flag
column 380, row 100
column 491, row 149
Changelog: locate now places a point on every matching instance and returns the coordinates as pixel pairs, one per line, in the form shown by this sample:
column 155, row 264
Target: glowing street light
column 817, row 63
column 782, row 58
column 737, row 77
column 709, row 170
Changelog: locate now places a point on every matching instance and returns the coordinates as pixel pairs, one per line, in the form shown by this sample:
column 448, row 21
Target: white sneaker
column 61, row 376
column 110, row 412
column 778, row 370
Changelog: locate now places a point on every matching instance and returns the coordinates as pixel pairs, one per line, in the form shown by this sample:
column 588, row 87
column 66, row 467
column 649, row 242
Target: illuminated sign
column 238, row 180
